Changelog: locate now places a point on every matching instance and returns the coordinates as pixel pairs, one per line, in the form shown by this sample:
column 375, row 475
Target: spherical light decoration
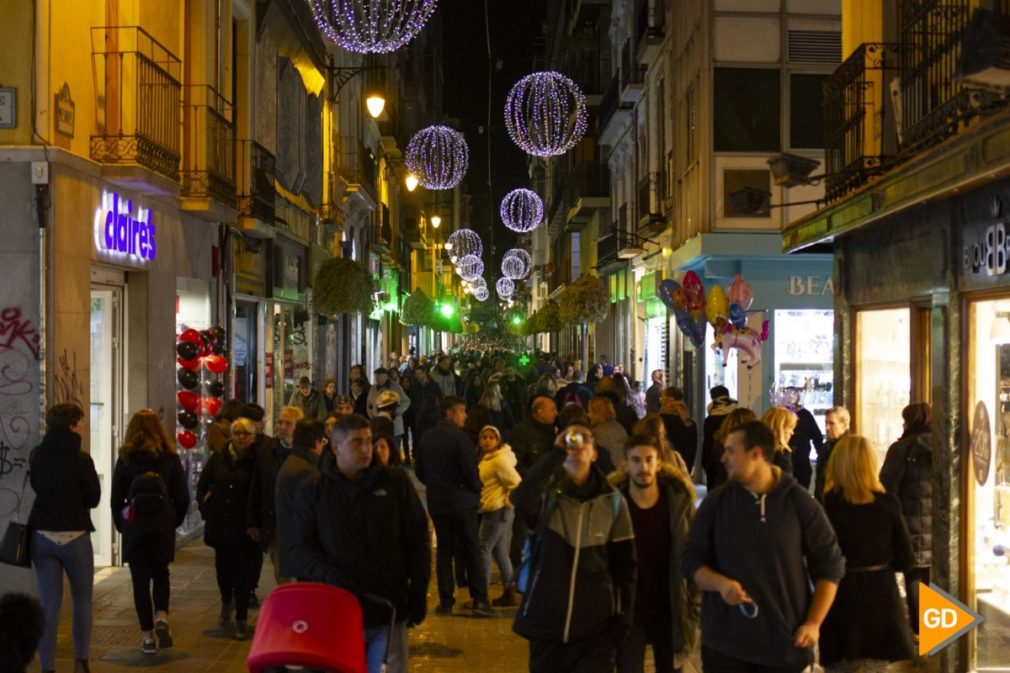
column 478, row 282
column 505, row 288
column 545, row 113
column 465, row 242
column 438, row 156
column 516, row 263
column 481, row 294
column 470, row 267
column 371, row 26
column 521, row 210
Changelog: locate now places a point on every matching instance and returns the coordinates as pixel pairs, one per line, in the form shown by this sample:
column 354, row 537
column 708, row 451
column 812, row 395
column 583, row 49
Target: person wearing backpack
column 149, row 501
column 575, row 392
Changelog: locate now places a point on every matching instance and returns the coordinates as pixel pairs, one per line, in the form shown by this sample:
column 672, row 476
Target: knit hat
column 387, row 398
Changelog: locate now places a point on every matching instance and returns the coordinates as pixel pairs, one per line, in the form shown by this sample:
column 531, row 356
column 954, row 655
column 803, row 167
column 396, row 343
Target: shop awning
column 976, row 157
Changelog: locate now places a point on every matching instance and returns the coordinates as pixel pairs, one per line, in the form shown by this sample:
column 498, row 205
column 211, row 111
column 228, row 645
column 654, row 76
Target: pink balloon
column 740, row 293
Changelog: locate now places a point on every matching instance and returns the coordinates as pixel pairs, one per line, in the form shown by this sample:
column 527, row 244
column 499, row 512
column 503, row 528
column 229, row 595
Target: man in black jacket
column 446, row 463
column 754, row 548
column 361, row 527
column 297, row 469
column 534, row 437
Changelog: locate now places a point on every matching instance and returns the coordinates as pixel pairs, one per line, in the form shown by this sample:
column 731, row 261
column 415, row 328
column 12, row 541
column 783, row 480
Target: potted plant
column 343, row 285
column 417, row 309
column 585, row 301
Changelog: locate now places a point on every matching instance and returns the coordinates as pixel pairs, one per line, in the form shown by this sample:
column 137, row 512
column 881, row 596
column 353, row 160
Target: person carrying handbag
column 149, row 501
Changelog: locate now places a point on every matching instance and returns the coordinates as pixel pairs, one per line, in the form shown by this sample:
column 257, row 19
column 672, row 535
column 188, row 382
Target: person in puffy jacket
column 222, row 495
column 908, row 474
column 149, row 501
column 498, row 477
column 579, row 600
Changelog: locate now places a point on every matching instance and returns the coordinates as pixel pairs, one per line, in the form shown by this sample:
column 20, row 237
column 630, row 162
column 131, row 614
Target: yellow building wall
column 862, row 21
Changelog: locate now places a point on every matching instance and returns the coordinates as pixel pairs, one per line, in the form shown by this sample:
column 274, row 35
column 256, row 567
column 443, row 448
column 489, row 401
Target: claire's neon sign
column 121, row 233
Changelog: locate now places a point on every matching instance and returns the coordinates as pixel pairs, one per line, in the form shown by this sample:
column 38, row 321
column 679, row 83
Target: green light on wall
column 517, row 320
column 447, row 310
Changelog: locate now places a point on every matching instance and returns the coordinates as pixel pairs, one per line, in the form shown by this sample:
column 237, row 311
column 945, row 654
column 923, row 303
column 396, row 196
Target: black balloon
column 187, row 350
column 188, row 420
column 215, row 388
column 188, row 379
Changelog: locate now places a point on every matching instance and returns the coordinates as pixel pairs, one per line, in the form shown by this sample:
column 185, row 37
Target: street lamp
column 375, row 100
column 412, row 183
column 435, row 221
column 375, row 104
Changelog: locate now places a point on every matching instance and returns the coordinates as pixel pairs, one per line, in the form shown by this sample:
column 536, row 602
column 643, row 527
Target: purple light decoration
column 515, row 264
column 371, row 26
column 481, row 294
column 505, row 288
column 465, row 242
column 469, row 267
column 438, row 156
column 545, row 113
column 521, row 210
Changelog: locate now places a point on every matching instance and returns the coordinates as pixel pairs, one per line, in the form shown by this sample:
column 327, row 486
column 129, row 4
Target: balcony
column 137, row 108
column 586, row 192
column 256, row 186
column 580, row 12
column 632, row 76
column 208, row 175
column 614, row 115
column 854, row 98
column 650, row 17
column 651, row 194
column 606, row 247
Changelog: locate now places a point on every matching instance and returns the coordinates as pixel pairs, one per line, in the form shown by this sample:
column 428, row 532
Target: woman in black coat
column 149, row 501
column 222, row 494
column 867, row 620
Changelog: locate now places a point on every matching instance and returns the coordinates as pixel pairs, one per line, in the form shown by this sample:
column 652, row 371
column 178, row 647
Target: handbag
column 16, row 549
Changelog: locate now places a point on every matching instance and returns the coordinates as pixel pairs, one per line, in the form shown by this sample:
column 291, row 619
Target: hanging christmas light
column 505, row 288
column 515, row 264
column 438, row 156
column 478, row 282
column 545, row 113
column 481, row 294
column 465, row 242
column 371, row 26
column 521, row 210
column 470, row 267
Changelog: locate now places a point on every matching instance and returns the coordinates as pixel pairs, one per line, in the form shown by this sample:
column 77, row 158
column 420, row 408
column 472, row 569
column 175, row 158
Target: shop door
column 656, row 337
column 106, row 409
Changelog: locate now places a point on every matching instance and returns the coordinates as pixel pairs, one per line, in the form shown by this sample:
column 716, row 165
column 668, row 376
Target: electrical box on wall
column 40, row 173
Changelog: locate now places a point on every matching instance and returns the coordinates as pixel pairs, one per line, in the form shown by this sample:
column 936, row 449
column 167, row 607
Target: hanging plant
column 343, row 285
column 417, row 309
column 587, row 300
column 545, row 320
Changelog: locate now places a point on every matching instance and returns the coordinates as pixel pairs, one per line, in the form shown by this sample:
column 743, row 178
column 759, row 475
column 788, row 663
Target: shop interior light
column 435, row 221
column 412, row 182
column 375, row 104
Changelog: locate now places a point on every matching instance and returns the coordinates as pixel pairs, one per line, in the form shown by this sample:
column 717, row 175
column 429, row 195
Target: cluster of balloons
column 196, row 350
column 725, row 311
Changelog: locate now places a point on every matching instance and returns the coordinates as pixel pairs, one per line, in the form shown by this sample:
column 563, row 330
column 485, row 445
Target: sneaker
column 163, row 634
column 225, row 618
column 147, row 646
column 481, row 608
column 241, row 630
column 254, row 601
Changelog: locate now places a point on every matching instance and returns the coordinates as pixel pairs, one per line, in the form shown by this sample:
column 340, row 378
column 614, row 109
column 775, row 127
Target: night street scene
column 560, row 336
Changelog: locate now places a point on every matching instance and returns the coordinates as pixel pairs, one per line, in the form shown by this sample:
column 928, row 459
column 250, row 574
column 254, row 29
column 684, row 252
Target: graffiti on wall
column 67, row 386
column 19, row 355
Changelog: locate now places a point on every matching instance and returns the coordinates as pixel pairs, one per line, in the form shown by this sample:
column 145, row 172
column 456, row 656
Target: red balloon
column 188, row 400
column 193, row 364
column 216, row 363
column 190, row 335
column 212, row 405
column 187, row 439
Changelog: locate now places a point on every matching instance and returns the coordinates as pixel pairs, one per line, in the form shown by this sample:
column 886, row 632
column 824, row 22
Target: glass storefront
column 804, row 357
column 721, row 368
column 988, row 472
column 291, row 357
column 883, row 363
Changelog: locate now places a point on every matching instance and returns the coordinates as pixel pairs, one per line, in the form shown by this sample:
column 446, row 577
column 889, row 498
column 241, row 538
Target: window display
column 989, row 472
column 883, row 375
column 720, row 368
column 804, row 357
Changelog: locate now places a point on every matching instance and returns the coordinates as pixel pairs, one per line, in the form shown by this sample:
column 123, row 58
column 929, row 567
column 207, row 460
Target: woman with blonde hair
column 782, row 423
column 610, row 435
column 866, row 626
column 149, row 501
column 499, row 413
column 715, row 471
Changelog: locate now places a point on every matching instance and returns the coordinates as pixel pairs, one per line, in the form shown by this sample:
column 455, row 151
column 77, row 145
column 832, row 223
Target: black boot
column 226, row 608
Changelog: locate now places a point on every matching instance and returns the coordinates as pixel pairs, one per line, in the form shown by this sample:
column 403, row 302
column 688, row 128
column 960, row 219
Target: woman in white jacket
column 499, row 477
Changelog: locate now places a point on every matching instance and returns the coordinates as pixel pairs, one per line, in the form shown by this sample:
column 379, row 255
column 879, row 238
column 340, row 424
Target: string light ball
column 545, row 114
column 465, row 242
column 505, row 288
column 438, row 157
column 470, row 267
column 521, row 210
column 371, row 26
column 481, row 294
column 516, row 263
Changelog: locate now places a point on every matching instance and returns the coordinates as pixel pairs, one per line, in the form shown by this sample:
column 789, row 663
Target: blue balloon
column 698, row 336
column 737, row 316
column 665, row 291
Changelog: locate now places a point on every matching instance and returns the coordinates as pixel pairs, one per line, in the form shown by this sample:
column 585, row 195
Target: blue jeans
column 376, row 640
column 495, row 539
column 51, row 560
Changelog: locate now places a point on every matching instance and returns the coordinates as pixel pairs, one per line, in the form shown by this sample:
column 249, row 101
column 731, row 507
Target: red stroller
column 314, row 626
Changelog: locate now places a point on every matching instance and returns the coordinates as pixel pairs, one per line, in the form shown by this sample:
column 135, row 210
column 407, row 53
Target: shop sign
column 988, row 255
column 65, row 112
column 810, row 285
column 268, row 369
column 981, row 444
column 120, row 232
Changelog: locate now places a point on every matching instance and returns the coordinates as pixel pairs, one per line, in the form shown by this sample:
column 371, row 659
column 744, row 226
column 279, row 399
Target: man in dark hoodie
column 298, row 468
column 754, row 548
column 579, row 601
column 361, row 527
column 711, row 453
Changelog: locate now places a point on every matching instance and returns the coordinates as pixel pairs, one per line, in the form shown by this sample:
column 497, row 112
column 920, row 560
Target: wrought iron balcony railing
column 256, row 166
column 854, row 99
column 138, row 94
column 209, row 160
